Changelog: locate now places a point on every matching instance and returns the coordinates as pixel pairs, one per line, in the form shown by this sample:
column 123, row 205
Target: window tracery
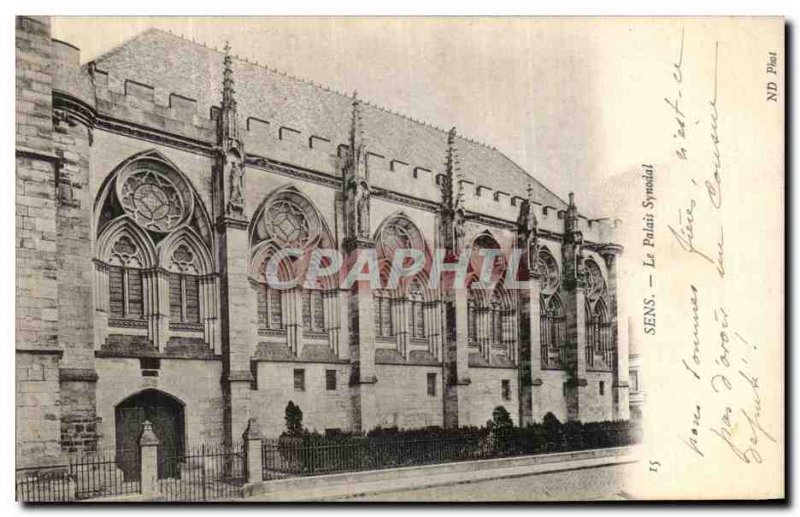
column 184, row 286
column 125, row 290
column 153, row 200
column 287, row 222
column 553, row 330
column 152, row 244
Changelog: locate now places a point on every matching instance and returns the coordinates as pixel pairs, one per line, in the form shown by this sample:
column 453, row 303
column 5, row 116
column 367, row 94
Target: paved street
column 600, row 483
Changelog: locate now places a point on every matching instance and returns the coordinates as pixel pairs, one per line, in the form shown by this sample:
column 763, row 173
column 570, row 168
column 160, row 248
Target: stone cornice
column 133, row 130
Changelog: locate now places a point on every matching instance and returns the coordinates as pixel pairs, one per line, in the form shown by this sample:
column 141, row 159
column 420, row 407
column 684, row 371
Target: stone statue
column 458, row 231
column 362, row 209
column 236, row 200
column 532, row 242
column 528, row 232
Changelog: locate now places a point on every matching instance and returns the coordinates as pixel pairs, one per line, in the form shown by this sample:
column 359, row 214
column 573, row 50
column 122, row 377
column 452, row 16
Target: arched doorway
column 166, row 413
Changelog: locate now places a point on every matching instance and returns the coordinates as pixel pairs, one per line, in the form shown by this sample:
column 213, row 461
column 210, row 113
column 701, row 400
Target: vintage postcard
column 399, row 259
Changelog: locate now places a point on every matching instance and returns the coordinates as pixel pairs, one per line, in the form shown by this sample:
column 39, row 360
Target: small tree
column 550, row 420
column 501, row 419
column 501, row 428
column 294, row 419
column 553, row 431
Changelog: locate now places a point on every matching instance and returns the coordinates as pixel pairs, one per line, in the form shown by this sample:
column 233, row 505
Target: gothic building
column 155, row 183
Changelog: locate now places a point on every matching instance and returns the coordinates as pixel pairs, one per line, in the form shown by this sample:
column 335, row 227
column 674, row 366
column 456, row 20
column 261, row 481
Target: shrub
column 501, row 418
column 553, row 433
column 304, row 452
column 294, row 419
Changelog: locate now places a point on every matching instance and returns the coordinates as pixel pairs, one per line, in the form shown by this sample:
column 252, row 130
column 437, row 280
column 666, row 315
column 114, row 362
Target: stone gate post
column 148, row 448
column 252, row 451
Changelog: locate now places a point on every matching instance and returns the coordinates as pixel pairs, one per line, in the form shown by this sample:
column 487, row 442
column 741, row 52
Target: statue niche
column 362, row 196
column 236, row 198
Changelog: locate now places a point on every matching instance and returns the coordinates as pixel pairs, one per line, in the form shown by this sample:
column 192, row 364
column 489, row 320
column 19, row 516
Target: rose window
column 287, row 222
column 153, row 201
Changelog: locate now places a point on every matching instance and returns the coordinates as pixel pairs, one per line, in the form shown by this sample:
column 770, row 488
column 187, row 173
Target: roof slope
column 186, row 68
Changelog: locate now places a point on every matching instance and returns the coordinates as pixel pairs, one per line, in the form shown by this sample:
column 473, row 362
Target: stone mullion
column 156, row 308
column 126, row 293
column 484, row 332
column 183, row 298
column 401, row 313
column 289, row 306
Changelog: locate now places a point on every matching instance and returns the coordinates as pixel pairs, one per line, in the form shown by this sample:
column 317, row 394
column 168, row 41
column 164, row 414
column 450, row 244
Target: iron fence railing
column 202, row 473
column 289, row 457
column 45, row 485
column 85, row 476
column 309, row 455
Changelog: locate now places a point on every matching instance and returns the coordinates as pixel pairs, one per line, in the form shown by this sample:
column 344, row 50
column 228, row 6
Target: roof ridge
column 118, row 48
column 329, row 89
column 310, row 82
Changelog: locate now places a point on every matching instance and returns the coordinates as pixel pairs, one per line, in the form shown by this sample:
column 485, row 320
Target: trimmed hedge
column 306, row 453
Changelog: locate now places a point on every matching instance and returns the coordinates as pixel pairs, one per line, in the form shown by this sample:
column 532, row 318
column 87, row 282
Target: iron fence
column 85, row 476
column 104, row 474
column 202, row 473
column 310, row 454
column 301, row 456
column 45, row 485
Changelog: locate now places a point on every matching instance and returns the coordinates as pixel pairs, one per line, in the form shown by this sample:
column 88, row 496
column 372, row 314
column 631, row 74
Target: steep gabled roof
column 192, row 70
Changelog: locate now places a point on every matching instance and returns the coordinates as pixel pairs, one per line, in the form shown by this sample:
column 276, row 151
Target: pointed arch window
column 270, row 308
column 553, row 328
column 599, row 353
column 125, row 287
column 497, row 322
column 274, row 304
column 416, row 312
column 313, row 312
column 383, row 307
column 184, row 287
column 152, row 251
column 472, row 321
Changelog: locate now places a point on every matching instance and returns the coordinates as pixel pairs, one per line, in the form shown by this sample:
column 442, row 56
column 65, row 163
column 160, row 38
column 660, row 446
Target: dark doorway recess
column 166, row 413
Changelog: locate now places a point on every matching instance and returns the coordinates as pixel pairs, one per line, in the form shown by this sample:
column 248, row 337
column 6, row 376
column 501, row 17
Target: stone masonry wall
column 403, row 399
column 322, row 408
column 485, row 393
column 37, row 407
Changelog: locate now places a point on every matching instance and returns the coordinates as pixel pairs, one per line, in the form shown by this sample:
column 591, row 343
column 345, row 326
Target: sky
column 544, row 92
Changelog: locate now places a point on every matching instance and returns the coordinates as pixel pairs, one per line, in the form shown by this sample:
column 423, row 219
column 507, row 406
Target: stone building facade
column 156, row 182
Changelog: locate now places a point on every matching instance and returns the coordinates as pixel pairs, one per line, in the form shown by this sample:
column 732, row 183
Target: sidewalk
column 342, row 486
